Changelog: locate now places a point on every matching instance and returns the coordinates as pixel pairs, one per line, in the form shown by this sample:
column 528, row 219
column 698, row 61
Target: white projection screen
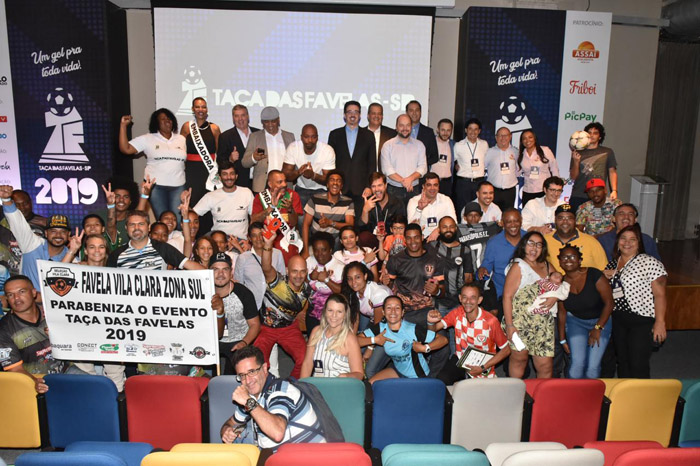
column 307, row 64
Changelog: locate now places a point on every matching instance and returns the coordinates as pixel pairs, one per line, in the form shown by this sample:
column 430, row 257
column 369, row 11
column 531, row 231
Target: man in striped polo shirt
column 329, row 211
column 142, row 253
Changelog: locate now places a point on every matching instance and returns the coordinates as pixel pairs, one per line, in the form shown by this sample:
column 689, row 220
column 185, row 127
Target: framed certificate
column 473, row 357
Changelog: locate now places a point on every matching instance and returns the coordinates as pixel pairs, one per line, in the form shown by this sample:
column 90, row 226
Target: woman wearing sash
column 196, row 172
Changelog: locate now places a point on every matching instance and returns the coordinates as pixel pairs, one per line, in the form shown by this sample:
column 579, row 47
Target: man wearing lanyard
column 502, row 169
column 470, row 154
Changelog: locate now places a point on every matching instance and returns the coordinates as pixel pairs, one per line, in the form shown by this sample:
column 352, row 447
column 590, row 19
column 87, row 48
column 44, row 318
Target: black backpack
column 329, row 424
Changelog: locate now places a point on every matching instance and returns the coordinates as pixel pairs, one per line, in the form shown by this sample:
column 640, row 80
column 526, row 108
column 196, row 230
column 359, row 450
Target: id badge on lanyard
column 617, row 291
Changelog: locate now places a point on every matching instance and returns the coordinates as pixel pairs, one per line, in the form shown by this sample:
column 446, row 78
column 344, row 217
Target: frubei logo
column 60, row 279
column 64, row 145
column 585, row 52
column 193, row 86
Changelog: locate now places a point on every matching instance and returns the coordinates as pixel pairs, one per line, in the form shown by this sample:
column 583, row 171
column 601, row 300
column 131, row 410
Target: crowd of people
column 398, row 252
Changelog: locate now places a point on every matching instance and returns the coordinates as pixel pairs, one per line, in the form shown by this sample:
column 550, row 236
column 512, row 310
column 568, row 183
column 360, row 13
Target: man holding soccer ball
column 595, row 161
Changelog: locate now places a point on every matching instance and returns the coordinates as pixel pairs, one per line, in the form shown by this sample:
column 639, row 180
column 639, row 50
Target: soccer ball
column 192, row 75
column 512, row 110
column 579, row 140
column 60, row 102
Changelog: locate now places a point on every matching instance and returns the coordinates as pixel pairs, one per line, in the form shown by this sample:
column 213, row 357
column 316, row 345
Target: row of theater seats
column 350, row 454
column 167, row 410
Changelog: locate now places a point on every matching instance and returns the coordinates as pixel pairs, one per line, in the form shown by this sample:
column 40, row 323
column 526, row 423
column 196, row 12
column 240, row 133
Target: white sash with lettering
column 213, row 182
column 290, row 235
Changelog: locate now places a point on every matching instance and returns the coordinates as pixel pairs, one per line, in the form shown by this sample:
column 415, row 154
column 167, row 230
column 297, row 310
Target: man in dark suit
column 232, row 144
column 375, row 117
column 422, row 132
column 355, row 153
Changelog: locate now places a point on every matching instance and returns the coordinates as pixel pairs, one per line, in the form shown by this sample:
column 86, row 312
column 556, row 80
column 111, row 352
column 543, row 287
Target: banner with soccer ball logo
column 543, row 70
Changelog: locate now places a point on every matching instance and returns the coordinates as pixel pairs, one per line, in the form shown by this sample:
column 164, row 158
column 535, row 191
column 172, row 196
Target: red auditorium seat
column 565, row 410
column 164, row 410
column 320, row 454
column 660, row 457
column 613, row 449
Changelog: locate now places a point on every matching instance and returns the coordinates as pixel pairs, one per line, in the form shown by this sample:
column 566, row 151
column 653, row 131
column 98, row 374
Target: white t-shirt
column 373, row 297
column 430, row 216
column 333, row 266
column 165, row 158
column 322, row 159
column 229, row 210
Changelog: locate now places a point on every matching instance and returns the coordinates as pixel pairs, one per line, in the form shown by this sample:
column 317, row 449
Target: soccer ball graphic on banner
column 579, row 140
column 513, row 110
column 193, row 74
column 60, row 101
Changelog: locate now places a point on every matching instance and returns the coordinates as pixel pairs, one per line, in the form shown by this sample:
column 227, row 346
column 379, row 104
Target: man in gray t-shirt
column 595, row 161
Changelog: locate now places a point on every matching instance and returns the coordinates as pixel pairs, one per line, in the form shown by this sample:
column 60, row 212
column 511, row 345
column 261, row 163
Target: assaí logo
column 64, row 145
column 193, row 86
column 585, row 52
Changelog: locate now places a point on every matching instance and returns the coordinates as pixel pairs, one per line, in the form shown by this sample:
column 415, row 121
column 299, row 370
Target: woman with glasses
column 531, row 332
column 333, row 350
column 584, row 325
column 537, row 163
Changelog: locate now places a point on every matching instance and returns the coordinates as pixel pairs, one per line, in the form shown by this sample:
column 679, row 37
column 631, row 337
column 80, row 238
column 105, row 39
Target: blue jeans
column 585, row 360
column 166, row 198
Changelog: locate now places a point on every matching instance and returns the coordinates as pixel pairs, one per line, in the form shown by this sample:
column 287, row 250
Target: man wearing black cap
column 33, row 247
column 566, row 232
column 266, row 149
column 235, row 310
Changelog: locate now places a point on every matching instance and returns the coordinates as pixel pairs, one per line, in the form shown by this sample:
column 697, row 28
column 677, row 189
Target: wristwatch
column 427, row 349
column 250, row 405
column 598, row 327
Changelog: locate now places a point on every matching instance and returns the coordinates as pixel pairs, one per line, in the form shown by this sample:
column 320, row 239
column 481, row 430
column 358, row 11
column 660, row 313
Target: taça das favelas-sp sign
column 108, row 314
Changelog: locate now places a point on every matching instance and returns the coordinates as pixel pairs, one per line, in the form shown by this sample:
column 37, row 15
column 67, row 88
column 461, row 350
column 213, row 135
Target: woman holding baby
column 528, row 295
column 584, row 316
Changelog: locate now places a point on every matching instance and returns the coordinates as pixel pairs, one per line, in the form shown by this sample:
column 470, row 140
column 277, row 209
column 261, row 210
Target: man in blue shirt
column 499, row 252
column 625, row 215
column 33, row 247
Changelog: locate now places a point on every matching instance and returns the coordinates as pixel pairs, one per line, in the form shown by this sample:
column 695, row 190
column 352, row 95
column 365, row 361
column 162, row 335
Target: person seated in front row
column 279, row 412
column 333, row 350
column 401, row 339
column 474, row 328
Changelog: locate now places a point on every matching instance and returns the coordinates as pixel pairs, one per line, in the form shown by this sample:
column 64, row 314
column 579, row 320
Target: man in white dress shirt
column 470, row 154
column 502, row 169
column 538, row 214
column 428, row 208
column 403, row 161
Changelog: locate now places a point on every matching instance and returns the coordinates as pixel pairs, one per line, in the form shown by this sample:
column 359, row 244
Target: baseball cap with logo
column 594, row 183
column 564, row 208
column 220, row 257
column 58, row 221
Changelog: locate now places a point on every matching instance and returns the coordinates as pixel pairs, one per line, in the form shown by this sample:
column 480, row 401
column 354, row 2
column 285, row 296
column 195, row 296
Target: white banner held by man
column 108, row 314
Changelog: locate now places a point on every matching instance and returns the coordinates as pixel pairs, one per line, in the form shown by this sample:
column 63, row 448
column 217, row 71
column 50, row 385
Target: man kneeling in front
column 280, row 413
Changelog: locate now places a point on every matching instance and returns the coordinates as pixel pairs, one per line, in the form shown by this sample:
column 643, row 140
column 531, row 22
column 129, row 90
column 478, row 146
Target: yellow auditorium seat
column 19, row 422
column 196, row 458
column 251, row 451
column 643, row 410
column 610, row 383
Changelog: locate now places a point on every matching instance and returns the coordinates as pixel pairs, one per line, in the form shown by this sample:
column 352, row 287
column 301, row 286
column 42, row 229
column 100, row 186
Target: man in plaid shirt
column 474, row 328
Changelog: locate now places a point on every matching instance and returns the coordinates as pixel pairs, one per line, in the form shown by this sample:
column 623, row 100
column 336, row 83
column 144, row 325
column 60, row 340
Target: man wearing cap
column 538, row 214
column 595, row 217
column 33, row 247
column 308, row 162
column 266, row 149
column 236, row 311
column 566, row 232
